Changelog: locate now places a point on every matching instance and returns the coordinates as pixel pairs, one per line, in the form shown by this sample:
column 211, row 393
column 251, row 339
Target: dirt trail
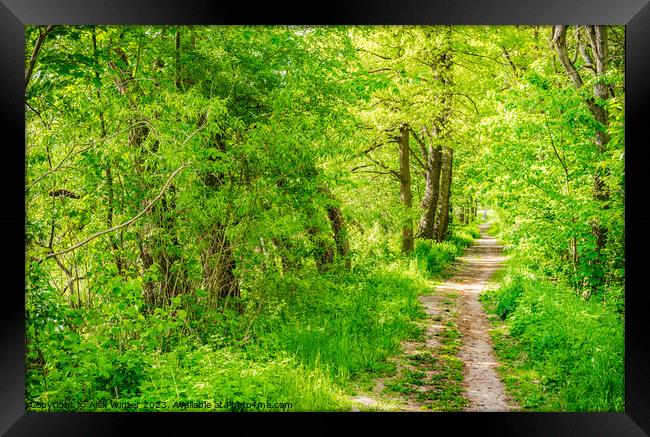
column 482, row 385
column 456, row 342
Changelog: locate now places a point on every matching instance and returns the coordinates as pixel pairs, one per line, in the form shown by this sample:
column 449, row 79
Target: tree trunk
column 440, row 134
column 177, row 59
column 219, row 264
column 405, row 188
column 335, row 215
column 470, row 210
column 119, row 262
column 337, row 221
column 37, row 49
column 431, row 193
column 325, row 250
column 598, row 38
column 445, row 193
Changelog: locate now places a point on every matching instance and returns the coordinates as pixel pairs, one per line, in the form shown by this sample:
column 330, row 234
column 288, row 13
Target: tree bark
column 431, row 193
column 339, row 229
column 445, row 194
column 405, row 188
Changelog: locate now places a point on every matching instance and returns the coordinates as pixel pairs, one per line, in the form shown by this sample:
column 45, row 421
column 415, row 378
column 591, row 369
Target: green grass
column 557, row 351
column 432, row 257
column 433, row 379
column 445, row 393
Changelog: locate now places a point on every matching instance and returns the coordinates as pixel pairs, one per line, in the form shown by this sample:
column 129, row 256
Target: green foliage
column 464, row 236
column 294, row 348
column 508, row 295
column 432, row 257
column 299, row 339
column 228, row 376
column 573, row 349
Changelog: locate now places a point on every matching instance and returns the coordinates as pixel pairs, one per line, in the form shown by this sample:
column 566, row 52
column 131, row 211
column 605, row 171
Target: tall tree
column 433, row 158
column 440, row 64
column 442, row 227
column 405, row 187
column 596, row 62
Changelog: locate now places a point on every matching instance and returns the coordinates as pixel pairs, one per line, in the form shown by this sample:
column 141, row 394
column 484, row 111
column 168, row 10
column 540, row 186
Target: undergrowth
column 295, row 342
column 558, row 352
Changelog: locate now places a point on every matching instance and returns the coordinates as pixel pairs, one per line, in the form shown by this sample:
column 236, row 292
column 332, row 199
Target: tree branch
column 557, row 155
column 423, row 148
column 559, row 41
column 360, row 167
column 507, row 56
column 373, row 172
column 417, row 138
column 373, row 147
column 376, row 54
column 35, row 52
column 482, row 56
column 468, row 98
column 384, row 166
column 589, row 63
column 88, row 145
column 126, row 223
column 415, row 156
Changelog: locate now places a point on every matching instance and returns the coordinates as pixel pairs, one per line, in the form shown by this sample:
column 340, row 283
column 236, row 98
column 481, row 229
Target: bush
column 461, row 239
column 472, row 230
column 298, row 336
column 432, row 257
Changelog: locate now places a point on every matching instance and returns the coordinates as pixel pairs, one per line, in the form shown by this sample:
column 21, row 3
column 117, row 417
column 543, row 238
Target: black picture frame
column 15, row 14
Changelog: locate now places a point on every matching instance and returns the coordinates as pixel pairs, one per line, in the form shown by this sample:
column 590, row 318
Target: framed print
column 413, row 211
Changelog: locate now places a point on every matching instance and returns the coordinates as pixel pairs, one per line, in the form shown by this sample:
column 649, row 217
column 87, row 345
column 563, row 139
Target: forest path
column 483, row 387
column 456, row 346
